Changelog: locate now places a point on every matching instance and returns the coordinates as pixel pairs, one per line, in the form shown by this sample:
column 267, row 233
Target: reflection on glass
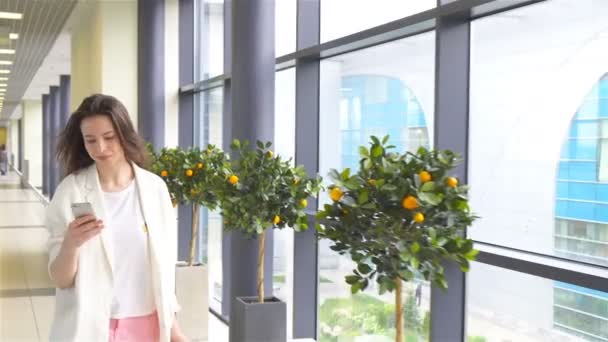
column 208, row 39
column 499, row 308
column 284, row 145
column 208, row 130
column 361, row 96
column 340, row 18
column 539, row 105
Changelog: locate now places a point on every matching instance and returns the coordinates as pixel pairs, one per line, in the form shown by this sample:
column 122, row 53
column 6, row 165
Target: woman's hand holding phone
column 81, row 230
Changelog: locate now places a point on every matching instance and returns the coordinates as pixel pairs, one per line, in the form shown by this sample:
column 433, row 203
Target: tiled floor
column 26, row 293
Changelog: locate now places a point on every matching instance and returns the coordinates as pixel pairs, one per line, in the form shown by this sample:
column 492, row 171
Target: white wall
column 104, row 53
column 32, row 142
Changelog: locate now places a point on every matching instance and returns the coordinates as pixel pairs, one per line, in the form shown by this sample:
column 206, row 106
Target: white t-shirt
column 133, row 292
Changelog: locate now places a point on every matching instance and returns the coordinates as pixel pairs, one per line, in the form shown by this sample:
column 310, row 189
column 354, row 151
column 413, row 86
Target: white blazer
column 82, row 313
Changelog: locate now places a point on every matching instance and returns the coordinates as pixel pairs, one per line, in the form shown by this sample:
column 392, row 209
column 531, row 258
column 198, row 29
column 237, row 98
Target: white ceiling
column 34, row 69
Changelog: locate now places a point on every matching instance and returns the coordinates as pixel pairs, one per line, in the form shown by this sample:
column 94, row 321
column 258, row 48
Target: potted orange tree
column 400, row 216
column 190, row 175
column 262, row 191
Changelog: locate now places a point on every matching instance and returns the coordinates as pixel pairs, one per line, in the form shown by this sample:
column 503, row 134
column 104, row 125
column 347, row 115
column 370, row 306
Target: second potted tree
column 262, row 191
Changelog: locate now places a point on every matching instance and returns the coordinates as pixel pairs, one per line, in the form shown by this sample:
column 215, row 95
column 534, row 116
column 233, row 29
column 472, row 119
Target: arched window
column 379, row 105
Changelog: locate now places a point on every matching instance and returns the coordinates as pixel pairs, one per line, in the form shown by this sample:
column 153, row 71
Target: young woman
column 114, row 268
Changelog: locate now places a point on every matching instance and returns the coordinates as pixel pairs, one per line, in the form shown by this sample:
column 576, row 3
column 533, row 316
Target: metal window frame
column 451, row 21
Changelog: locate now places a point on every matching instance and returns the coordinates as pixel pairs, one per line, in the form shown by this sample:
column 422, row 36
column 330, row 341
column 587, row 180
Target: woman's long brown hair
column 71, row 152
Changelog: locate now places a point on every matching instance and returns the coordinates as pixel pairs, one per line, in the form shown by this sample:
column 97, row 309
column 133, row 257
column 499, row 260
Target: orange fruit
column 164, row 173
column 371, row 182
column 336, row 194
column 303, row 203
column 410, row 203
column 296, row 181
column 199, row 166
column 418, row 217
column 452, row 182
column 233, row 179
column 270, row 154
column 193, row 192
column 189, row 173
column 425, row 176
column 276, row 219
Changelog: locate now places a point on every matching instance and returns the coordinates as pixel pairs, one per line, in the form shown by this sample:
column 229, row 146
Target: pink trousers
column 135, row 329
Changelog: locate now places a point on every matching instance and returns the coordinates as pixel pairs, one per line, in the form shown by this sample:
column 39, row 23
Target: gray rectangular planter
column 251, row 321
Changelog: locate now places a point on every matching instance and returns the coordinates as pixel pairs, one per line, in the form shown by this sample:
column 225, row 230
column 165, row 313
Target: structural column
column 151, row 67
column 252, row 118
column 64, row 100
column 53, row 133
column 46, row 127
column 448, row 317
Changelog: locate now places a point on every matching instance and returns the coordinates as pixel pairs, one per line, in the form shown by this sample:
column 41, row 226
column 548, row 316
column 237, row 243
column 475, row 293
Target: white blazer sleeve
column 171, row 225
column 57, row 218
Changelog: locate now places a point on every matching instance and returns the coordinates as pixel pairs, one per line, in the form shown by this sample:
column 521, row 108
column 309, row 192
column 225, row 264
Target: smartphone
column 81, row 209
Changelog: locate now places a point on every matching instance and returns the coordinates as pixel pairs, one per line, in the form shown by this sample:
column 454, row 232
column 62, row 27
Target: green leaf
column 363, row 151
column 428, row 186
column 236, row 144
column 377, row 151
column 388, row 187
column 383, row 288
column 415, row 248
column 351, row 279
column 363, row 197
column 414, row 263
column 369, row 205
column 464, row 266
column 356, row 287
column 472, row 254
column 345, row 174
column 260, row 145
column 385, row 139
column 432, row 233
column 430, row 198
column 364, row 268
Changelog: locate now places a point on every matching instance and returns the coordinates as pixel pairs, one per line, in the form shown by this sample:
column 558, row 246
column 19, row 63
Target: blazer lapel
column 146, row 199
column 94, row 195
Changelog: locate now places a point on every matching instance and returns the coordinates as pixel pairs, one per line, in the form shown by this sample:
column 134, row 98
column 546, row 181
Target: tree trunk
column 195, row 208
column 398, row 311
column 261, row 250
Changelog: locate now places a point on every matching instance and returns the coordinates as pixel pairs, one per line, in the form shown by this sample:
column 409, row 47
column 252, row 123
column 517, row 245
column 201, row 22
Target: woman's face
column 101, row 140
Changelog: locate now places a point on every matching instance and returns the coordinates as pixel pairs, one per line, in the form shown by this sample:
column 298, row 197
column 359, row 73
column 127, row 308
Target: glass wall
column 285, row 26
column 340, row 18
column 208, row 130
column 285, row 146
column 541, row 68
column 384, row 90
column 504, row 305
column 537, row 158
column 208, row 39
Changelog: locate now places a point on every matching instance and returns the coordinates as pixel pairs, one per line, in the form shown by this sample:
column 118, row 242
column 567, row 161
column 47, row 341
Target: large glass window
column 285, row 146
column 208, row 39
column 538, row 103
column 387, row 89
column 285, row 26
column 340, row 18
column 500, row 308
column 208, row 130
